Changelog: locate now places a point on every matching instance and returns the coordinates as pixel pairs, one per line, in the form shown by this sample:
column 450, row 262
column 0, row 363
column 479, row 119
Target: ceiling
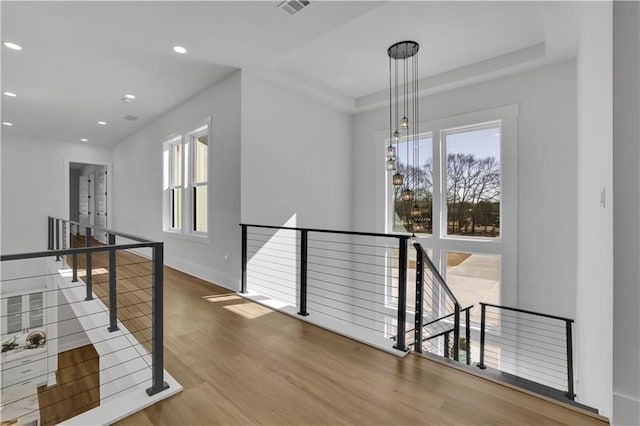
column 80, row 58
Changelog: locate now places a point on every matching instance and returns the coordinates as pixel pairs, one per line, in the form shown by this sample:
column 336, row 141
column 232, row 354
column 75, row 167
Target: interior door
column 92, row 198
column 83, row 210
column 101, row 204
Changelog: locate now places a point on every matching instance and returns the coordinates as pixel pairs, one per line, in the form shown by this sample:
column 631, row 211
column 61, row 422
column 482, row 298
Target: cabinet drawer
column 23, row 371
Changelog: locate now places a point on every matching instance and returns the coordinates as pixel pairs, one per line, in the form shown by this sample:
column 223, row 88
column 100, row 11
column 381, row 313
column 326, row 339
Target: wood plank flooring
column 77, row 389
column 241, row 363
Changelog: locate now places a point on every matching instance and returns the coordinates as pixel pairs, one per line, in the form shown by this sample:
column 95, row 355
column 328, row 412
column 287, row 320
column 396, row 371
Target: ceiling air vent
column 293, row 6
column 130, row 118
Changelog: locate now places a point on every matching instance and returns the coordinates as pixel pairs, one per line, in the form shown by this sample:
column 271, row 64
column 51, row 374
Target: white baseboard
column 211, row 275
column 626, row 410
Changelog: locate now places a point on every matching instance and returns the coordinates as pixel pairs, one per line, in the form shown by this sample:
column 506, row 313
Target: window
column 466, row 197
column 473, row 180
column 186, row 161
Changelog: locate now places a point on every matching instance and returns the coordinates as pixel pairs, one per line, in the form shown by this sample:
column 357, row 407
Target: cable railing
column 529, row 346
column 437, row 311
column 81, row 323
column 353, row 282
column 344, row 280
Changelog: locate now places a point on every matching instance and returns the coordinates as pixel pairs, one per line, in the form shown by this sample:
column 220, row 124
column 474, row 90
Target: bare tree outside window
column 473, row 182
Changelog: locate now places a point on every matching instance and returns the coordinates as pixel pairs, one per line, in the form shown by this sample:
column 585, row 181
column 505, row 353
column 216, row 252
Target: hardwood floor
column 77, row 389
column 242, row 363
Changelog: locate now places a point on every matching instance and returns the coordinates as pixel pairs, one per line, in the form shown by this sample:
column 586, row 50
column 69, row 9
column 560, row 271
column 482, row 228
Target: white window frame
column 506, row 244
column 187, row 140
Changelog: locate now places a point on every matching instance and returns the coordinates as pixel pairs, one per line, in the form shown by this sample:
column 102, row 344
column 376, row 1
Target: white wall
column 34, row 181
column 137, row 184
column 547, row 201
column 626, row 212
column 594, row 294
column 296, row 158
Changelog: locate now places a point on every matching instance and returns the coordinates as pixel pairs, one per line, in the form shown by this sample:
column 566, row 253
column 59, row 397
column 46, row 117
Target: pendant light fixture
column 403, row 128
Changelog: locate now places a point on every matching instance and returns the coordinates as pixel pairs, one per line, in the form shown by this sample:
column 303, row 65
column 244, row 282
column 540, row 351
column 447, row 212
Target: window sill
column 200, row 238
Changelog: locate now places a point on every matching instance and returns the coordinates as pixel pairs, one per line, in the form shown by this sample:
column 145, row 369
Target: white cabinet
column 21, row 367
column 24, row 312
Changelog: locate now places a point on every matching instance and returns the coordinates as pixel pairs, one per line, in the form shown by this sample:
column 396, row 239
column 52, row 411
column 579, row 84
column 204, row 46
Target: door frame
column 107, row 164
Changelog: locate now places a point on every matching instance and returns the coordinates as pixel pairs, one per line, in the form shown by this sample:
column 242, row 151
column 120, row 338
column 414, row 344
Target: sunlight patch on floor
column 221, row 298
column 248, row 310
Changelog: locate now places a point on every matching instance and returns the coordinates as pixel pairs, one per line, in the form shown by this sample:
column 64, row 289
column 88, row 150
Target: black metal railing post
column 402, row 294
column 243, row 282
column 303, row 273
column 467, row 335
column 49, row 233
column 113, row 295
column 74, row 256
column 570, row 393
column 57, row 221
column 418, row 318
column 88, row 268
column 64, row 234
column 483, row 312
column 157, row 322
column 446, row 344
column 456, row 333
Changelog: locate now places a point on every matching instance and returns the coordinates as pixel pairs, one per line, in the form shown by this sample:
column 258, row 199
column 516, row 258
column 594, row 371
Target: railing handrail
column 435, row 272
column 78, row 250
column 447, row 316
column 330, row 231
column 105, row 230
column 525, row 311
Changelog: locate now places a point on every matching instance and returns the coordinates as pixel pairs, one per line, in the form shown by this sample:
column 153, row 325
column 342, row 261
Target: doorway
column 88, row 197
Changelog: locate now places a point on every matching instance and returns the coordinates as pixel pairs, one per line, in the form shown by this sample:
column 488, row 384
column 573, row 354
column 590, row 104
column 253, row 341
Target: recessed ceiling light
column 10, row 94
column 128, row 96
column 102, row 123
column 12, row 45
column 84, row 140
column 179, row 49
column 6, row 123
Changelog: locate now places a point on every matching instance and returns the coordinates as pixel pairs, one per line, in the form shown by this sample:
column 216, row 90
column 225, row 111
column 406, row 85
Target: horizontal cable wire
column 83, row 332
column 355, row 244
column 95, row 387
column 273, row 235
column 350, row 304
column 504, row 344
column 506, row 327
column 541, row 376
column 344, row 251
column 510, row 315
column 261, row 249
column 351, row 287
column 346, row 278
column 294, row 267
column 76, row 302
column 355, row 261
column 286, row 278
column 351, row 313
column 348, row 269
column 351, row 295
column 530, row 361
column 262, row 284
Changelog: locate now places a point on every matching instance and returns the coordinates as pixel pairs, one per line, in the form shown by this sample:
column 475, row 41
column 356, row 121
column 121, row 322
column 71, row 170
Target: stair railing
column 439, row 296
